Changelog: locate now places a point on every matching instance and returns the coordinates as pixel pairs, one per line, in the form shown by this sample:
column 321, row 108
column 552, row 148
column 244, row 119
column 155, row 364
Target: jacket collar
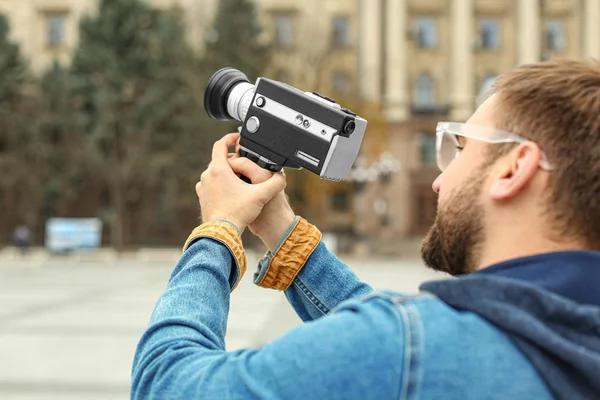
column 572, row 274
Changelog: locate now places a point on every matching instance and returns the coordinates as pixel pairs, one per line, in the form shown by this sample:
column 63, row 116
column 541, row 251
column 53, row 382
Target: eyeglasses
column 448, row 146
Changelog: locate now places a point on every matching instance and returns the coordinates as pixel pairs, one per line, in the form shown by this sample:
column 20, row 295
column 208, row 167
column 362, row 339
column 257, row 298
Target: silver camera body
column 284, row 127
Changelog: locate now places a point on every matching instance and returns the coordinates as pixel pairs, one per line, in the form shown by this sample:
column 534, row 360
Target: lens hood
column 218, row 89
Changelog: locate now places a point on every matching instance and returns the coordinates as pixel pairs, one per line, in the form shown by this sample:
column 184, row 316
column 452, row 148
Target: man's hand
column 277, row 215
column 224, row 195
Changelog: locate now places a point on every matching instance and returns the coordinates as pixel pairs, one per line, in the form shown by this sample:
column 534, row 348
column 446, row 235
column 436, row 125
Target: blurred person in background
column 517, row 226
column 21, row 237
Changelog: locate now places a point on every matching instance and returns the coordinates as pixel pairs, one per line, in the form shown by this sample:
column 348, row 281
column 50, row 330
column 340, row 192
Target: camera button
column 252, row 124
column 260, row 101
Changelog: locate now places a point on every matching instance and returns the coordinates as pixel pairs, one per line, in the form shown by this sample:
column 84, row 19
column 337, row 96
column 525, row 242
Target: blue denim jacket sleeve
column 357, row 352
column 323, row 282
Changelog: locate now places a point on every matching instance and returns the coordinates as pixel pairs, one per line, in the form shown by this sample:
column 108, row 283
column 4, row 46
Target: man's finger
column 249, row 169
column 221, row 147
column 275, row 184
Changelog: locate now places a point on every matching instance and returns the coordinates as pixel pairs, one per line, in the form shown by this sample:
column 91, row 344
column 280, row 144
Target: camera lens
column 217, row 93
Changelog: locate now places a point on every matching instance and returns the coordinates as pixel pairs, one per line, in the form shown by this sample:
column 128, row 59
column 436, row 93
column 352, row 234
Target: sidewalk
column 407, row 249
column 68, row 330
column 105, row 254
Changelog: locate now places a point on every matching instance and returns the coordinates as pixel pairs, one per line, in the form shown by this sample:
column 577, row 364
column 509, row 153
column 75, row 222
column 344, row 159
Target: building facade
column 47, row 30
column 428, row 61
column 421, row 61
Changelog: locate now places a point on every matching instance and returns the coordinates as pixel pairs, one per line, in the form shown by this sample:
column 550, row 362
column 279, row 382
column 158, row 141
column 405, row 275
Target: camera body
column 284, row 127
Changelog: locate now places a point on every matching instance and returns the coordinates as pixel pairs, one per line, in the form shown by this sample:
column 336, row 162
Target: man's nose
column 436, row 184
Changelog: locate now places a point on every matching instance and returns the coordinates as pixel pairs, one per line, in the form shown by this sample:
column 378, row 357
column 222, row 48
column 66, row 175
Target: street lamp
column 386, row 166
column 359, row 174
column 381, row 170
column 362, row 172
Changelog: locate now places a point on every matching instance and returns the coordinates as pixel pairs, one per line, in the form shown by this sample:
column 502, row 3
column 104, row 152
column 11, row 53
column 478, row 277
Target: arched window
column 555, row 35
column 425, row 90
column 489, row 31
column 426, row 28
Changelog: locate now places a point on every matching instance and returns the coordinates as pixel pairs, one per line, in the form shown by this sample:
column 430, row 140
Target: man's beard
column 453, row 244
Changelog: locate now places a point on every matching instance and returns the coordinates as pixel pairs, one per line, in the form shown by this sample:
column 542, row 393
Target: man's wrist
column 236, row 224
column 240, row 229
column 271, row 233
column 279, row 269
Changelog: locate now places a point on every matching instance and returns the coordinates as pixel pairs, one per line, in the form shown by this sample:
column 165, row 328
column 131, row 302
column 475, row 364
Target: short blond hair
column 557, row 105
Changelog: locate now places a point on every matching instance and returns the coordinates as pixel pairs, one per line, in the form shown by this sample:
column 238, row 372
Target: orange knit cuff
column 291, row 256
column 226, row 233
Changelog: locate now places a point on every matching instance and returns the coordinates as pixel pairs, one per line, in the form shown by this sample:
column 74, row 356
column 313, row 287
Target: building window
column 426, row 33
column 425, row 90
column 56, row 26
column 489, row 30
column 427, row 149
column 341, row 31
column 340, row 201
column 341, row 82
column 555, row 35
column 284, row 30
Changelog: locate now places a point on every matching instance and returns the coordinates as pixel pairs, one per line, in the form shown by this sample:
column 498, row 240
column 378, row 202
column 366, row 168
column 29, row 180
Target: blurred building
column 47, row 30
column 428, row 61
column 315, row 42
column 422, row 60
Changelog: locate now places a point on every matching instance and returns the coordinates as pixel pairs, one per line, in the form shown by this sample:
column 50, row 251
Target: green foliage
column 62, row 159
column 235, row 40
column 121, row 133
column 18, row 153
column 12, row 67
column 136, row 110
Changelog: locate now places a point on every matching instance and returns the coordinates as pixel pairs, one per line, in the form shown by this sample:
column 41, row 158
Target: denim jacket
column 356, row 343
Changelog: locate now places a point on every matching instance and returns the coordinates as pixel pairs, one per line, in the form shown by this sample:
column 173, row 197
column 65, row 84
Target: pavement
column 69, row 325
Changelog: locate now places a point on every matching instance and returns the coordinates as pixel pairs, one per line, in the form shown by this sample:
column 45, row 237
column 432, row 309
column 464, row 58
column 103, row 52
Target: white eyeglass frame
column 481, row 133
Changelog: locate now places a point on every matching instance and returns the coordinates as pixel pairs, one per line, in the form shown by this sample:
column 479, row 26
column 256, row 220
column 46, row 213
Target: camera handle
column 260, row 161
column 251, row 150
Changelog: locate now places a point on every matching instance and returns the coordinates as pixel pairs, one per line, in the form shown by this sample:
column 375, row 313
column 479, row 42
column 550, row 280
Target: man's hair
column 557, row 105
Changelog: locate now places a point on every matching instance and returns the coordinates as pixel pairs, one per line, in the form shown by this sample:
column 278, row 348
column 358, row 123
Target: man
column 21, row 237
column 517, row 224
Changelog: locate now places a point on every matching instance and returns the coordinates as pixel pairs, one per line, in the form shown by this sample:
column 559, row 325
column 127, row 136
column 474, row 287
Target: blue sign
column 69, row 234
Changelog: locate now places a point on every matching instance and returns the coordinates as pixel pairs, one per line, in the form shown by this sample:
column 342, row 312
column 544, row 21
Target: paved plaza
column 69, row 326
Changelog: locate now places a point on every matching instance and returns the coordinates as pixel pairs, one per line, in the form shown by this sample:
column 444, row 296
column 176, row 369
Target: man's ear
column 515, row 171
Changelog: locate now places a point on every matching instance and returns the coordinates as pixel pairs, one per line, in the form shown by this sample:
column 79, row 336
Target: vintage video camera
column 285, row 127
